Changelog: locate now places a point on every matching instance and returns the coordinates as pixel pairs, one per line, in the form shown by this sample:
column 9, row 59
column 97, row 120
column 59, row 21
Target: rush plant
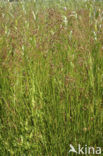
column 51, row 77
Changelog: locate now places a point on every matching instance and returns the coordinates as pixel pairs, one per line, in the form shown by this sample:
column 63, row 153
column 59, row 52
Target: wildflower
column 95, row 35
column 65, row 8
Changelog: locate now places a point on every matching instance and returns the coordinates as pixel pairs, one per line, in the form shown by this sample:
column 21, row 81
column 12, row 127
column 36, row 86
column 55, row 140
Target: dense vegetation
column 51, row 77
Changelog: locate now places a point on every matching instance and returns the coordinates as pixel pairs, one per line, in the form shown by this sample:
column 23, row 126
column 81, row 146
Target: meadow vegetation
column 51, row 76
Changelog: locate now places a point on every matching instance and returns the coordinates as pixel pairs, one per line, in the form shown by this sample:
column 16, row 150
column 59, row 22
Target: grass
column 51, row 77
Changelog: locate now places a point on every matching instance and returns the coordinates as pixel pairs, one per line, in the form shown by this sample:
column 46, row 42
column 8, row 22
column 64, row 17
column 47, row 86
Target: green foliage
column 51, row 77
